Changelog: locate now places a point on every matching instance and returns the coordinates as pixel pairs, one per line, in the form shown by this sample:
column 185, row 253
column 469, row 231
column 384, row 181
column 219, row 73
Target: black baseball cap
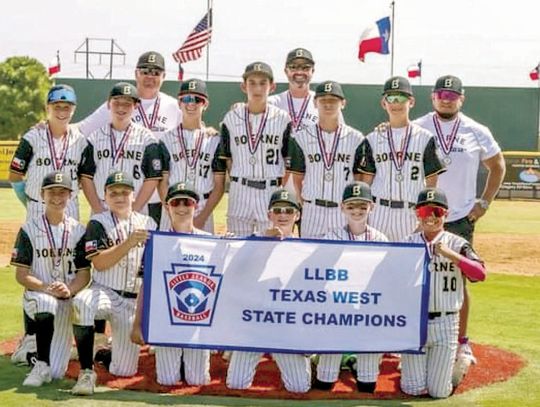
column 299, row 53
column 124, row 89
column 329, row 88
column 57, row 179
column 357, row 191
column 432, row 196
column 397, row 84
column 449, row 82
column 151, row 59
column 181, row 190
column 62, row 93
column 119, row 178
column 260, row 68
column 193, row 87
column 285, row 196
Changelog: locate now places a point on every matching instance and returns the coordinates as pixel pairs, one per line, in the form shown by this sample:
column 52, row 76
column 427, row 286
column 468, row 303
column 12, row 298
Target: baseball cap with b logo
column 357, row 191
column 329, row 88
column 181, row 190
column 449, row 82
column 258, row 68
column 285, row 196
column 193, row 87
column 119, row 178
column 151, row 59
column 397, row 84
column 298, row 53
column 57, row 179
column 124, row 89
column 432, row 196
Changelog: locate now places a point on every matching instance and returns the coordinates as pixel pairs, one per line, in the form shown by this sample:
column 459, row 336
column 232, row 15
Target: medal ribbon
column 57, row 255
column 446, row 146
column 297, row 119
column 254, row 139
column 147, row 123
column 120, row 229
column 57, row 162
column 328, row 157
column 198, row 135
column 353, row 236
column 117, row 152
column 398, row 157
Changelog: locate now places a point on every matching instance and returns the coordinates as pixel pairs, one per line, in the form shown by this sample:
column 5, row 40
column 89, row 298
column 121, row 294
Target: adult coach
column 463, row 144
column 157, row 111
column 398, row 163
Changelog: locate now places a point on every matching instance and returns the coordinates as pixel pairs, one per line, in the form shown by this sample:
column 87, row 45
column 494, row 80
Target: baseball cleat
column 26, row 345
column 464, row 359
column 86, row 382
column 41, row 373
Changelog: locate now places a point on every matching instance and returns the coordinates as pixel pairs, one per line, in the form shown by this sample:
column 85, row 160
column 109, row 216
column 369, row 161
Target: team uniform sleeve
column 366, row 162
column 87, row 168
column 22, row 157
column 468, row 252
column 165, row 157
column 285, row 147
column 432, row 163
column 219, row 165
column 224, row 149
column 79, row 259
column 152, row 161
column 357, row 159
column 22, row 255
column 297, row 162
column 488, row 145
column 95, row 239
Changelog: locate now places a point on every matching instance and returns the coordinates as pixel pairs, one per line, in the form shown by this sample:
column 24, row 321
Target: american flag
column 192, row 47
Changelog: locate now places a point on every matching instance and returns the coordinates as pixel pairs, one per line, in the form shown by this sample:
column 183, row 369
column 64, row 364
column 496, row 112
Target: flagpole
column 420, row 67
column 392, row 29
column 209, row 7
column 538, row 81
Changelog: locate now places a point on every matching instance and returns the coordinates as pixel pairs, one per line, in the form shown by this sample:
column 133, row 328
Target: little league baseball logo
column 192, row 292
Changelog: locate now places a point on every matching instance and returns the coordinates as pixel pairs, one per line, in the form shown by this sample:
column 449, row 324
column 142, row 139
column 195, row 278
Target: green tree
column 24, row 83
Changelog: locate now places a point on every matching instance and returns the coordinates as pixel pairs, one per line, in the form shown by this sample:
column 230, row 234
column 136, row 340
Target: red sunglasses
column 447, row 95
column 427, row 211
column 184, row 201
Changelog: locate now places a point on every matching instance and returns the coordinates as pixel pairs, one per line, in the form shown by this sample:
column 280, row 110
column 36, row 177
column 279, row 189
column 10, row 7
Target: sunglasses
column 184, row 201
column 288, row 210
column 150, row 71
column 427, row 211
column 192, row 99
column 447, row 95
column 399, row 98
column 305, row 67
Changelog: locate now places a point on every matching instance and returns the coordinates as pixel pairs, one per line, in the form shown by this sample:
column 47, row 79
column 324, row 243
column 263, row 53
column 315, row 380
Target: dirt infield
column 494, row 365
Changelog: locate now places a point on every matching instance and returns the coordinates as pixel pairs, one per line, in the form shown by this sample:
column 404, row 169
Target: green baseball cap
column 193, row 87
column 182, row 190
column 285, row 196
column 357, row 191
column 258, row 67
column 124, row 89
column 449, row 82
column 119, row 178
column 432, row 196
column 397, row 84
column 57, row 179
column 329, row 88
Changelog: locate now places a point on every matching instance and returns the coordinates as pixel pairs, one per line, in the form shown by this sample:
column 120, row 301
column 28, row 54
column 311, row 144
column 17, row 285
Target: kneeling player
column 356, row 205
column 452, row 260
column 283, row 212
column 51, row 266
column 181, row 203
column 114, row 244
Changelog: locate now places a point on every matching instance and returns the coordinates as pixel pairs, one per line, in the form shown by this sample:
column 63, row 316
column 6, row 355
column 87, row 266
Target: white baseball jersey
column 302, row 111
column 38, row 154
column 196, row 361
column 432, row 371
column 328, row 161
column 134, row 151
column 462, row 144
column 51, row 253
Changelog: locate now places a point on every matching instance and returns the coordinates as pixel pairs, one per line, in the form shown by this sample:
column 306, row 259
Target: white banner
column 301, row 296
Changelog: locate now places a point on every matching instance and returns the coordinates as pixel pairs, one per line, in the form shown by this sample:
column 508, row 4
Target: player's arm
column 166, row 163
column 364, row 169
column 136, row 329
column 356, row 164
column 285, row 153
column 496, row 170
column 432, row 164
column 152, row 171
column 87, row 170
column 296, row 166
column 218, row 170
column 82, row 268
column 18, row 168
column 22, row 259
column 468, row 262
column 99, row 118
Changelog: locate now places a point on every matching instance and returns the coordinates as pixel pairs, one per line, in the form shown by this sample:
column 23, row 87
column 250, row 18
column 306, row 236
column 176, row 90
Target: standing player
column 53, row 146
column 121, row 146
column 283, row 212
column 324, row 158
column 190, row 155
column 114, row 244
column 157, row 111
column 356, row 205
column 181, row 203
column 463, row 144
column 51, row 266
column 452, row 260
column 398, row 163
column 255, row 143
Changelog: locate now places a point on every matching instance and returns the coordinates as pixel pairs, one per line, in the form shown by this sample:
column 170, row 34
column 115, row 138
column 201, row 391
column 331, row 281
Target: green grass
column 511, row 217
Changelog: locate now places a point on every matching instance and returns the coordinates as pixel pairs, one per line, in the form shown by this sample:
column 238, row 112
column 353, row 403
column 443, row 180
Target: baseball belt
column 324, row 203
column 257, row 184
column 393, row 204
column 126, row 294
column 433, row 315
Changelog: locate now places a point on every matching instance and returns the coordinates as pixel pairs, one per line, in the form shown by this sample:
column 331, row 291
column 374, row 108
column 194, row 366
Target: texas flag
column 375, row 38
column 415, row 70
column 535, row 73
column 54, row 65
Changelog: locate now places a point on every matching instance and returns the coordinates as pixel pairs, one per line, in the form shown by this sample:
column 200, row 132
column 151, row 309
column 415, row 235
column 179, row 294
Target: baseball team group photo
column 253, row 240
